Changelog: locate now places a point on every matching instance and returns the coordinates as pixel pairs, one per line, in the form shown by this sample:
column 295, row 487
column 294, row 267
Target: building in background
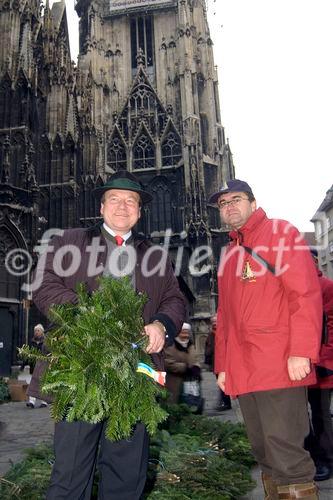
column 143, row 97
column 323, row 221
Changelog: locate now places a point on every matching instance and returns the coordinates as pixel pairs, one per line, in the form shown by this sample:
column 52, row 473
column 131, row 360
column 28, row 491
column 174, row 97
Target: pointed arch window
column 82, row 202
column 17, row 156
column 90, row 145
column 161, row 213
column 5, row 103
column 9, row 283
column 116, row 153
column 44, row 208
column 142, row 101
column 142, row 41
column 67, row 203
column 204, row 127
column 56, row 209
column 44, row 163
column 144, row 152
column 20, row 102
column 68, row 159
column 142, row 106
column 89, row 204
column 56, row 162
column 171, row 149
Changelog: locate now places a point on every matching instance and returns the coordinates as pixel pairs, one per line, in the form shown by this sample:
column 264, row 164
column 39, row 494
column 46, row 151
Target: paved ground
column 21, row 427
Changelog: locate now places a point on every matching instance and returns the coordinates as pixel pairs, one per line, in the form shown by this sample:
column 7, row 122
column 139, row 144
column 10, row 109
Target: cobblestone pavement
column 21, row 427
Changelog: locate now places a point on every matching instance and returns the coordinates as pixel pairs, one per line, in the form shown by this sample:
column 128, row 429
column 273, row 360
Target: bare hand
column 298, row 368
column 156, row 336
column 221, row 381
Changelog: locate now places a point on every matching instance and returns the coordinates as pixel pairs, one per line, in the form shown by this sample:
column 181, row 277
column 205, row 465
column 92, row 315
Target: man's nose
column 122, row 202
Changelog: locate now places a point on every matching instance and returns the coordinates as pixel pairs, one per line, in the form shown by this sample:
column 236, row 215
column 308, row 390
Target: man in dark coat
column 80, row 255
column 180, row 364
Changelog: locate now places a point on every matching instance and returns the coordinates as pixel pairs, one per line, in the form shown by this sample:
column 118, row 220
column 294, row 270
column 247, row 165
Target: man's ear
column 254, row 205
column 101, row 210
column 139, row 212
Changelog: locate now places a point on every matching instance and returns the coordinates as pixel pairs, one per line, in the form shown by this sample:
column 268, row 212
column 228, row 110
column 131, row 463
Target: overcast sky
column 276, row 86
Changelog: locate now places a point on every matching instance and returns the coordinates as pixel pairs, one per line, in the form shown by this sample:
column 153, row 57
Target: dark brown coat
column 177, row 361
column 166, row 303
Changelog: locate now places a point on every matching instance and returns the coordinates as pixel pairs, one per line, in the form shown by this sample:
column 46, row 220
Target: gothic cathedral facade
column 143, row 96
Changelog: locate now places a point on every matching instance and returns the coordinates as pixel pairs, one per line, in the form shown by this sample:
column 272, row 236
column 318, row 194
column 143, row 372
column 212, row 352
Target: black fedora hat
column 124, row 180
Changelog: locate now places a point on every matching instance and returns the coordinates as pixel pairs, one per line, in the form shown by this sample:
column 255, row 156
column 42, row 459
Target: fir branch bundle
column 195, row 458
column 95, row 346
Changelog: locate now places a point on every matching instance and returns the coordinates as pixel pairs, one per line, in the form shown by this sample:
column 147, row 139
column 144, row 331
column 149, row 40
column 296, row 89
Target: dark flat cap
column 233, row 185
column 127, row 181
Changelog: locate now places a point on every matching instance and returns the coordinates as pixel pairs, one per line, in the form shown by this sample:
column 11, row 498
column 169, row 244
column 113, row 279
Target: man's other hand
column 221, row 381
column 155, row 332
column 298, row 368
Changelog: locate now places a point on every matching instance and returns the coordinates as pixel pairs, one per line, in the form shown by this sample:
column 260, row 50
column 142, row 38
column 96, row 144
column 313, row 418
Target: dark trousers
column 320, row 440
column 277, row 423
column 122, row 465
column 223, row 397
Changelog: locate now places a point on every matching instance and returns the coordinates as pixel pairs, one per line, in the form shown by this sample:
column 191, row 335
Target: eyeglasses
column 235, row 201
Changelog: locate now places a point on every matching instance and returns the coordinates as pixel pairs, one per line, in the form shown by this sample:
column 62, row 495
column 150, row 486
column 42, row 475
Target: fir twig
column 95, row 347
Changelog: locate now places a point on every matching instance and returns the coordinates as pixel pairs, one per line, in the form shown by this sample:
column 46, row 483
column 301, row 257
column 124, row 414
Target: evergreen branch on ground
column 191, row 457
column 198, row 457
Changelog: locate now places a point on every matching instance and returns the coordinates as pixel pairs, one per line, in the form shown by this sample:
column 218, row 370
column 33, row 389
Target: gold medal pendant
column 248, row 274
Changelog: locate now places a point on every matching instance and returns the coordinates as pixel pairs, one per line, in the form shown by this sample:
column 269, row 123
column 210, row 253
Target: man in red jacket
column 268, row 335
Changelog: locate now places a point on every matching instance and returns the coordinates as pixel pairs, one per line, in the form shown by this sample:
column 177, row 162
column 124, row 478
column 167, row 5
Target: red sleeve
column 326, row 352
column 301, row 284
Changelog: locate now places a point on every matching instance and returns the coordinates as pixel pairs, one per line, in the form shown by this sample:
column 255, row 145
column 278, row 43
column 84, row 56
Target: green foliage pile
column 199, row 457
column 230, row 437
column 95, row 346
column 29, row 479
column 4, row 391
column 191, row 457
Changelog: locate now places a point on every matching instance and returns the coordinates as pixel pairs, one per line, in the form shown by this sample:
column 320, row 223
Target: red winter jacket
column 326, row 351
column 264, row 319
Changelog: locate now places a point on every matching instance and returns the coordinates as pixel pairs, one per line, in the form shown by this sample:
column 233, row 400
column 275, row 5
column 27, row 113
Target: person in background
column 268, row 337
column 180, row 363
column 223, row 401
column 320, row 440
column 37, row 342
